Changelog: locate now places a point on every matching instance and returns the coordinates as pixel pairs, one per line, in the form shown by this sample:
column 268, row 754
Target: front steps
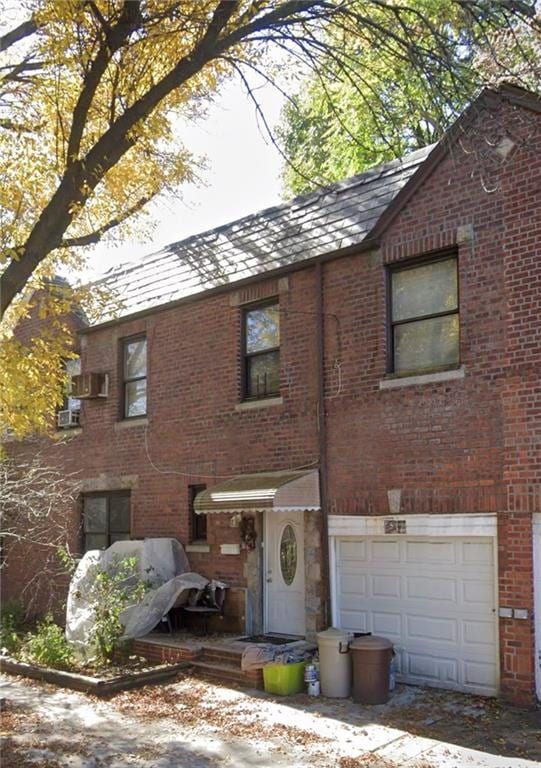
column 218, row 662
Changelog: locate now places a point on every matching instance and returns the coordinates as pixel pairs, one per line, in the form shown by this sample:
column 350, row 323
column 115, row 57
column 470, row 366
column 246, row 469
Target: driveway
column 195, row 724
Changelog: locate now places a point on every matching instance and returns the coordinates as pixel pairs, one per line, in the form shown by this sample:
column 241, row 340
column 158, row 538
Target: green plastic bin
column 284, row 679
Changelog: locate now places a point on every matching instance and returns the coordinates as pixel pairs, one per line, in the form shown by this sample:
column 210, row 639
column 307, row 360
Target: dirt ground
column 196, row 724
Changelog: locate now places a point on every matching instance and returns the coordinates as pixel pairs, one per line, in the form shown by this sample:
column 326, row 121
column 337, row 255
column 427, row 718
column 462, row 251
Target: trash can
column 335, row 662
column 371, row 663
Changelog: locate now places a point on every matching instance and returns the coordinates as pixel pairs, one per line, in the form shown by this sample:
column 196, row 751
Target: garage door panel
column 479, row 674
column 387, row 624
column 434, row 598
column 431, row 589
column 355, row 621
column 431, row 628
column 478, row 594
column 478, row 633
column 385, row 586
column 352, row 550
column 385, row 551
column 424, row 668
column 425, row 551
column 477, row 553
column 353, row 584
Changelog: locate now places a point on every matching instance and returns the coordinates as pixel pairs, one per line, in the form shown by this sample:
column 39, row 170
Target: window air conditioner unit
column 66, row 419
column 85, row 386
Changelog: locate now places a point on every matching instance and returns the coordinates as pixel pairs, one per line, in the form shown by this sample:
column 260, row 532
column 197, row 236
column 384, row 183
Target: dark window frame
column 402, row 266
column 124, row 342
column 247, row 356
column 107, row 495
column 197, row 523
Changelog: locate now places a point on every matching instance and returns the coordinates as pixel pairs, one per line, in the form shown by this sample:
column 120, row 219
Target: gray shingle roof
column 321, row 222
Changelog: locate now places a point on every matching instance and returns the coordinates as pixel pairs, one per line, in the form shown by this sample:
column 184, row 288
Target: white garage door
column 434, row 598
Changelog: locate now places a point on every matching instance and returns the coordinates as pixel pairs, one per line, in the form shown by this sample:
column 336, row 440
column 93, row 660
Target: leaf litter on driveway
column 195, row 724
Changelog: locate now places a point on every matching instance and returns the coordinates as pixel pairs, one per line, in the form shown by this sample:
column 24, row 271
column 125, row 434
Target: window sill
column 139, row 421
column 423, row 378
column 197, row 546
column 62, row 434
column 267, row 402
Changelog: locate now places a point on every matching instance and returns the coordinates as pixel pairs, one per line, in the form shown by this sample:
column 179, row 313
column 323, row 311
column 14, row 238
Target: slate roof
column 333, row 217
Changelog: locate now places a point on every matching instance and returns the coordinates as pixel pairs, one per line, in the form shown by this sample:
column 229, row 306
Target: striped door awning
column 290, row 491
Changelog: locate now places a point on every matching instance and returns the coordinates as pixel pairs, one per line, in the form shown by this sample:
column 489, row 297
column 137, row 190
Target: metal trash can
column 371, row 663
column 335, row 662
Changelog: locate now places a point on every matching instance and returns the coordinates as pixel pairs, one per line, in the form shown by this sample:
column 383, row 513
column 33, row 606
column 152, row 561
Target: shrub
column 111, row 593
column 11, row 624
column 48, row 645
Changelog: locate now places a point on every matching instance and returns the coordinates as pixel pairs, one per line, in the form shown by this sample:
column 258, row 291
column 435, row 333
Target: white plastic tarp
column 162, row 563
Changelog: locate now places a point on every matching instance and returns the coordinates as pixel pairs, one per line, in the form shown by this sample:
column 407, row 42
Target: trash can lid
column 334, row 635
column 371, row 643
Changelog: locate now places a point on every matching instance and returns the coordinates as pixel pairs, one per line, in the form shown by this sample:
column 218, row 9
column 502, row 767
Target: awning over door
column 281, row 491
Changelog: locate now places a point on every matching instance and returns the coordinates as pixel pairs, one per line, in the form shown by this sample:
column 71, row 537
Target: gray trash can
column 335, row 662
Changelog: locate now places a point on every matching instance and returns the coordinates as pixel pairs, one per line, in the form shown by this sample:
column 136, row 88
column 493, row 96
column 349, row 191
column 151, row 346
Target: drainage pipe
column 322, row 436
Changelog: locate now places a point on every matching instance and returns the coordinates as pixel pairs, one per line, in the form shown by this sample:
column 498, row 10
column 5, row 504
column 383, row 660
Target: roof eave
column 357, row 248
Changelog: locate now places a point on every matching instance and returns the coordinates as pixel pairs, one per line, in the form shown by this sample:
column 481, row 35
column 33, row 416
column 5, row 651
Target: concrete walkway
column 195, row 724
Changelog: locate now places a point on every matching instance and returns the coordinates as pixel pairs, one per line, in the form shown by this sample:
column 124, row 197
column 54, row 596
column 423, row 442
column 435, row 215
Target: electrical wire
column 310, row 465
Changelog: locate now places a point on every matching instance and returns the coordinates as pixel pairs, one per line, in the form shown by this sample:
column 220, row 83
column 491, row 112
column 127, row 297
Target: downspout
column 322, row 436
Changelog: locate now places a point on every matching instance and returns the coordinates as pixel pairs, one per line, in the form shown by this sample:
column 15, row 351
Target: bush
column 111, row 593
column 48, row 645
column 11, row 624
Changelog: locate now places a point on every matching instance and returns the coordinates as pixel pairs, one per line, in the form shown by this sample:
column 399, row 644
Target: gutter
column 322, row 434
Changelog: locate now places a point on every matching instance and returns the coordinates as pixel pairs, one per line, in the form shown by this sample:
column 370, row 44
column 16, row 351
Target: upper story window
column 261, row 332
column 106, row 519
column 67, row 415
column 198, row 523
column 134, row 352
column 424, row 315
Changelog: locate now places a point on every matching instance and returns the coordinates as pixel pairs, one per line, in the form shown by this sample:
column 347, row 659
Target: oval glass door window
column 288, row 554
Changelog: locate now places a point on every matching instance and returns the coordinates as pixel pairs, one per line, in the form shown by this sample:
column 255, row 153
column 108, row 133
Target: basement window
column 106, row 519
column 424, row 315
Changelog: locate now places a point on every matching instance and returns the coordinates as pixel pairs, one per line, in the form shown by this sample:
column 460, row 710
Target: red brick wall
column 521, row 405
column 468, row 445
column 194, row 434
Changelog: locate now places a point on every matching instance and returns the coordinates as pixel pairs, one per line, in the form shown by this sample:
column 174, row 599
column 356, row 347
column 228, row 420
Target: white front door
column 537, row 599
column 284, row 572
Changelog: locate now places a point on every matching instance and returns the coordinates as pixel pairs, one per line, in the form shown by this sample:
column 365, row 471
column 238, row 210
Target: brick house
column 335, row 405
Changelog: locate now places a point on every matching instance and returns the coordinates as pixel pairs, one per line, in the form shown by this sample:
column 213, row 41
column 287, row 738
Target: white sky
column 242, row 176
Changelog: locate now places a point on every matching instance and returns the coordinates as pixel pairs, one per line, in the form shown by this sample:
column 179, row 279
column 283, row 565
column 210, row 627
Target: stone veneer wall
column 314, row 584
column 252, row 574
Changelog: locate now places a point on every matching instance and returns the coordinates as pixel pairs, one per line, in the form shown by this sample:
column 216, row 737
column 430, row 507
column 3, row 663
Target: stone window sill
column 63, row 434
column 197, row 546
column 423, row 378
column 128, row 423
column 249, row 405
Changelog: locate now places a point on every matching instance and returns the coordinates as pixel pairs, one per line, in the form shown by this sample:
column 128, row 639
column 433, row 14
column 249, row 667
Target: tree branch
column 115, row 37
column 25, row 29
column 94, row 237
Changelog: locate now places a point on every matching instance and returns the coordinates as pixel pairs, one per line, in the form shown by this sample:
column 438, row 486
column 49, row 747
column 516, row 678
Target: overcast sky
column 242, row 176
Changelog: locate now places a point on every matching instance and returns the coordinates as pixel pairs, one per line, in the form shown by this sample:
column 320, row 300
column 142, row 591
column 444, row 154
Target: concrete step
column 219, row 672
